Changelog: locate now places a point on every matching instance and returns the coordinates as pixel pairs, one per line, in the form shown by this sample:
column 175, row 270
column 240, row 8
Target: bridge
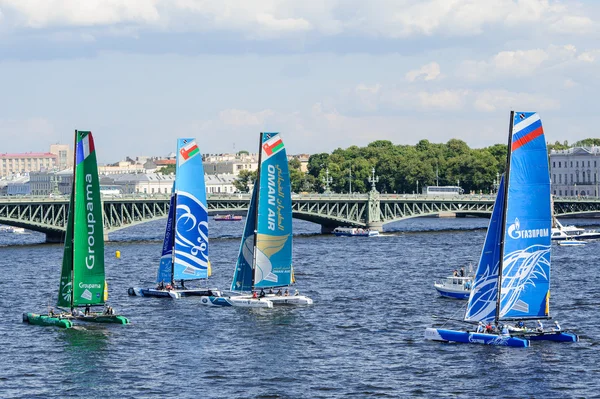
column 372, row 210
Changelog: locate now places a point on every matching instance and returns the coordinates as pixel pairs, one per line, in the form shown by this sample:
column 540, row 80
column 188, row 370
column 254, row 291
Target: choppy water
column 362, row 338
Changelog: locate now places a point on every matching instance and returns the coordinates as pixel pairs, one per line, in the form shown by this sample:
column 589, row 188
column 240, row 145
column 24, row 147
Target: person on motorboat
column 462, row 272
column 455, row 274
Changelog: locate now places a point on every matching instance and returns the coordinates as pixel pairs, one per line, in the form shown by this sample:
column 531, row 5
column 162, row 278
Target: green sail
column 84, row 244
column 66, row 284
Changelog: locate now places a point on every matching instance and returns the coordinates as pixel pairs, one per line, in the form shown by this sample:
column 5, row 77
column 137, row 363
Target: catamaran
column 512, row 281
column 185, row 248
column 265, row 256
column 82, row 281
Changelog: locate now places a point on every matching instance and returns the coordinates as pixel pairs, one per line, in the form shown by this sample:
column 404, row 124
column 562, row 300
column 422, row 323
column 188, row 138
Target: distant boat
column 512, row 281
column 229, row 218
column 185, row 248
column 83, row 280
column 571, row 243
column 354, row 232
column 560, row 232
column 265, row 255
column 12, row 229
column 456, row 286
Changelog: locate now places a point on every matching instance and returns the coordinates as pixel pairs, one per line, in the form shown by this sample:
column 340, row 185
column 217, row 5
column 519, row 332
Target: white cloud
column 238, row 117
column 376, row 18
column 445, row 99
column 498, row 100
column 43, row 13
column 269, row 22
column 518, row 63
column 427, row 72
column 572, row 24
column 570, row 83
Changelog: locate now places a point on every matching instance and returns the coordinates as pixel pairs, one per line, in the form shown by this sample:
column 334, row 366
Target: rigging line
column 455, row 312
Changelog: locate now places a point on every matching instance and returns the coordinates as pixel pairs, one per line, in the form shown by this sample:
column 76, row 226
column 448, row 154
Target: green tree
column 587, row 143
column 317, row 163
column 167, row 170
column 244, row 179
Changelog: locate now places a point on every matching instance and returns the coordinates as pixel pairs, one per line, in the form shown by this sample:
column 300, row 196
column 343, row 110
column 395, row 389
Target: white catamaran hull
column 297, row 300
column 236, row 301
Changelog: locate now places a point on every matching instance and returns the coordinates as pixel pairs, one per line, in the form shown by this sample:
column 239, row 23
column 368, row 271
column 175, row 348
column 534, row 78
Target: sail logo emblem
column 87, row 294
column 515, row 232
column 66, row 291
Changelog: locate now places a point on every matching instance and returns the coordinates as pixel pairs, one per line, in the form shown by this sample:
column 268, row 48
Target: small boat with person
column 227, row 218
column 185, row 247
column 457, row 286
column 265, row 256
column 354, row 232
column 512, row 281
column 83, row 280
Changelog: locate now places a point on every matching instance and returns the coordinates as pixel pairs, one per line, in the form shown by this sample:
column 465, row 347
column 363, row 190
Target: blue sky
column 325, row 73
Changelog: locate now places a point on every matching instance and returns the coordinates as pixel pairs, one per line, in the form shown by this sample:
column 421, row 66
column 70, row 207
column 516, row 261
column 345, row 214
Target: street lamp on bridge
column 327, row 180
column 373, row 179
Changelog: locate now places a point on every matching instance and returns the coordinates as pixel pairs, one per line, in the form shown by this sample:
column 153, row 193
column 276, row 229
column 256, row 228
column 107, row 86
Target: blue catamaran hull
column 554, row 337
column 466, row 337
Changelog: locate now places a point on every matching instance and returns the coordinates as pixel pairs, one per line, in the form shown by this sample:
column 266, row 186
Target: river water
column 362, row 338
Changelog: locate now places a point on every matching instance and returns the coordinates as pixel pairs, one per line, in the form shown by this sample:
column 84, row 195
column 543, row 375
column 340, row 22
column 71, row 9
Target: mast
column 504, row 211
column 72, row 226
column 173, row 228
column 257, row 188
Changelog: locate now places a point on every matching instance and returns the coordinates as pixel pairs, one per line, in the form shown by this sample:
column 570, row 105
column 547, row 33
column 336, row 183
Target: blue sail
column 524, row 290
column 166, row 260
column 242, row 275
column 191, row 214
column 273, row 250
column 484, row 294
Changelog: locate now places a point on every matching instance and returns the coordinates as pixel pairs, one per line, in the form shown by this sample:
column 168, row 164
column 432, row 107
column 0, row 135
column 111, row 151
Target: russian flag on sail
column 85, row 147
column 527, row 127
column 273, row 146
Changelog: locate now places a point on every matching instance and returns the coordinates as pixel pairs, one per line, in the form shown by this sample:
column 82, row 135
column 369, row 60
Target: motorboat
column 354, row 232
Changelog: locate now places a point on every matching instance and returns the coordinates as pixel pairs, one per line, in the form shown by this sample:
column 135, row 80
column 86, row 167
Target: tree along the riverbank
column 408, row 168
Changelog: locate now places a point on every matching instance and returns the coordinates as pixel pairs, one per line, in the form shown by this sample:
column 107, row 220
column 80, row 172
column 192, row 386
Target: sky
column 325, row 73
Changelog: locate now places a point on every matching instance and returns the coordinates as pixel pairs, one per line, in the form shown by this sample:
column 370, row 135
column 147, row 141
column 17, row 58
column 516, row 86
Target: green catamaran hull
column 101, row 318
column 43, row 320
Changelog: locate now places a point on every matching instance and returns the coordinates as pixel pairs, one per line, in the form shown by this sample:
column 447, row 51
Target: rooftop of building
column 28, row 155
column 593, row 150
